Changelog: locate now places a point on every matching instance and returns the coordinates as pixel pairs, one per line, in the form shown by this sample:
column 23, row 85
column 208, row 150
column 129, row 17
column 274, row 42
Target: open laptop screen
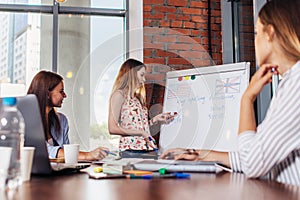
column 34, row 133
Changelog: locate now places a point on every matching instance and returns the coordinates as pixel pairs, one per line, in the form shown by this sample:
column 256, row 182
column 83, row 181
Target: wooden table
column 200, row 186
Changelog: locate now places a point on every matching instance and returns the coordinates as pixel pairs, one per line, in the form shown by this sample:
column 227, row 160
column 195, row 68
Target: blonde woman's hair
column 127, row 81
column 285, row 18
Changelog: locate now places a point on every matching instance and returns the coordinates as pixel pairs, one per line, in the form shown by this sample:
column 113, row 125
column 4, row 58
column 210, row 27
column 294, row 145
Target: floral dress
column 133, row 116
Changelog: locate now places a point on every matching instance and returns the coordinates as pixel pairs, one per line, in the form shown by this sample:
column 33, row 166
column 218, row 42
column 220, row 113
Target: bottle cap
column 9, row 101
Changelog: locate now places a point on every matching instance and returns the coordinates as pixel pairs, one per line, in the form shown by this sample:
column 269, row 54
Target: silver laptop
column 34, row 136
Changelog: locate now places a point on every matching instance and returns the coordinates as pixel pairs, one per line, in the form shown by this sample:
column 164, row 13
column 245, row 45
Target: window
column 86, row 47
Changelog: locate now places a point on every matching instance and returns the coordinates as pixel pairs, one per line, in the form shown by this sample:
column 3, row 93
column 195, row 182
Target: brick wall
column 246, row 32
column 176, row 36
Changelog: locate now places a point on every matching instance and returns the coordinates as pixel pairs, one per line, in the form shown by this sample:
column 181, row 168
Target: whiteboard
column 207, row 102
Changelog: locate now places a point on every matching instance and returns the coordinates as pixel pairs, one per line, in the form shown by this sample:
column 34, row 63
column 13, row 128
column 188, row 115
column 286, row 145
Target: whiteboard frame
column 209, row 70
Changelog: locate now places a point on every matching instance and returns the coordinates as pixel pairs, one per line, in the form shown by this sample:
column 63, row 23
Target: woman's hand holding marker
column 164, row 118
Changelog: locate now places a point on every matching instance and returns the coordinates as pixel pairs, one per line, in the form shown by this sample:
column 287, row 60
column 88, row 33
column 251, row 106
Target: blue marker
column 151, row 139
column 109, row 152
column 173, row 175
column 154, row 142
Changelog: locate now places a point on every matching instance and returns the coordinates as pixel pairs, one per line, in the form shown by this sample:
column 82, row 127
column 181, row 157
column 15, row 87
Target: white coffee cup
column 27, row 154
column 5, row 156
column 71, row 152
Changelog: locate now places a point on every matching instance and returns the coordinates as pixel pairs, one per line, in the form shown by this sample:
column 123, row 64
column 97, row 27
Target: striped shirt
column 273, row 151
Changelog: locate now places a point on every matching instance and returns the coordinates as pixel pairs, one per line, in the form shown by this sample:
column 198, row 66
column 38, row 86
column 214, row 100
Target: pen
column 275, row 81
column 154, row 142
column 153, row 176
column 109, row 152
column 151, row 139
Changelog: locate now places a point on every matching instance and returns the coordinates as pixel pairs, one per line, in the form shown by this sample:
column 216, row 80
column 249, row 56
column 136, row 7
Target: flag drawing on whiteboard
column 228, row 85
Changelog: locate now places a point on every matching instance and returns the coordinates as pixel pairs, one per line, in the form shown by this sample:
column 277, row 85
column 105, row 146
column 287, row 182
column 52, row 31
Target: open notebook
column 34, row 136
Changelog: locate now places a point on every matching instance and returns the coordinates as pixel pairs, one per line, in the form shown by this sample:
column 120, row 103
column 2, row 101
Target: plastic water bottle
column 12, row 128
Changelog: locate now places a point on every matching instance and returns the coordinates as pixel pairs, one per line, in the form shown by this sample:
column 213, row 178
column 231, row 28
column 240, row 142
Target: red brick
column 146, row 22
column 190, row 11
column 149, row 61
column 153, row 2
column 153, row 46
column 198, row 4
column 163, row 39
column 147, row 39
column 177, row 24
column 216, row 12
column 153, row 30
column 161, row 53
column 185, row 39
column 171, row 16
column 147, row 52
column 202, row 26
column 183, row 17
column 165, row 23
column 198, row 47
column 153, row 16
column 189, row 25
column 155, row 77
column 197, row 39
column 179, row 46
column 183, row 31
column 177, row 2
column 147, row 8
column 190, row 54
column 196, row 32
column 198, row 19
column 177, row 61
column 165, row 9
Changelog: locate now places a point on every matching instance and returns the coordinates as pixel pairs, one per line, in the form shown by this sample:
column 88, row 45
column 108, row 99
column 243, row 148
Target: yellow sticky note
column 98, row 169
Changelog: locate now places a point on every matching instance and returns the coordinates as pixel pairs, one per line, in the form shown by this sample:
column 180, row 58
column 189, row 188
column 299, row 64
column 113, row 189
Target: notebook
column 181, row 166
column 34, row 136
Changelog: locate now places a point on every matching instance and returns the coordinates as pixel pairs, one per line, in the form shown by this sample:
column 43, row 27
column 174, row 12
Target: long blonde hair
column 284, row 16
column 127, row 80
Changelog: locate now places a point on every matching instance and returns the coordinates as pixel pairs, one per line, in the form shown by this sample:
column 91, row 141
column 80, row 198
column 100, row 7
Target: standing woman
column 128, row 115
column 49, row 90
column 271, row 149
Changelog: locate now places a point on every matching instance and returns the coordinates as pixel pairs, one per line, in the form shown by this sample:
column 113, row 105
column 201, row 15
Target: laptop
column 34, row 136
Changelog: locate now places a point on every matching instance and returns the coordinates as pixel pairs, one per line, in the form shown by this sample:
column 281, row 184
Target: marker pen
column 275, row 80
column 158, row 176
column 109, row 152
